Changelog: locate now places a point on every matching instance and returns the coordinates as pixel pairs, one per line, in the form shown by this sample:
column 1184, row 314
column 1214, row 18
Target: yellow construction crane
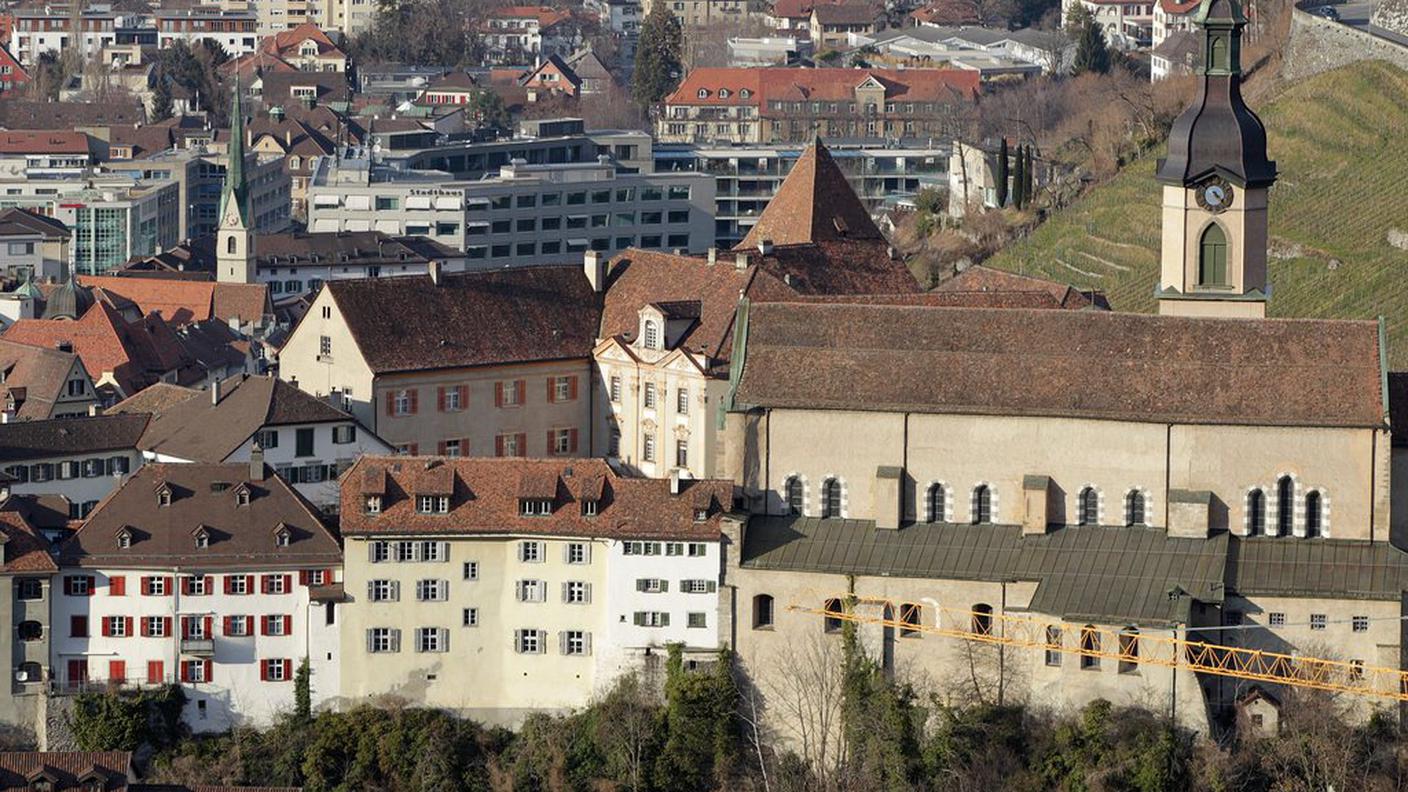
column 1136, row 647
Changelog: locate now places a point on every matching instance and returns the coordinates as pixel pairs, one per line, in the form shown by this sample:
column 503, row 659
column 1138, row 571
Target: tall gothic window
column 936, row 502
column 1212, row 260
column 230, row 244
column 1256, row 513
column 1313, row 510
column 1134, row 508
column 1285, row 506
column 1089, row 506
column 794, row 495
column 831, row 498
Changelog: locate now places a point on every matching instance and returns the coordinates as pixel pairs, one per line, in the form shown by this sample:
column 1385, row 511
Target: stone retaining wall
column 1317, row 45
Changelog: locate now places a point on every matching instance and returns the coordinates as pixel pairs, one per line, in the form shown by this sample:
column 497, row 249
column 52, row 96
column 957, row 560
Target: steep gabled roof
column 1076, row 364
column 38, row 373
column 67, row 768
column 197, row 428
column 815, row 203
column 182, row 301
column 242, row 535
column 24, row 550
column 71, row 436
column 979, row 278
column 495, row 317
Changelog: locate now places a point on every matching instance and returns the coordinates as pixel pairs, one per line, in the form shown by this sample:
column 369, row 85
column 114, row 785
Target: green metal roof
column 1111, row 575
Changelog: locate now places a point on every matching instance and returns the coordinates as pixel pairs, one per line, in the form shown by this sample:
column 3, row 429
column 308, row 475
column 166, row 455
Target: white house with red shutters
column 217, row 577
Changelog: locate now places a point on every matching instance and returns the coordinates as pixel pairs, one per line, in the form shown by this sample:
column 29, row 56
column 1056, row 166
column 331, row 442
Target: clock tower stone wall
column 1244, row 225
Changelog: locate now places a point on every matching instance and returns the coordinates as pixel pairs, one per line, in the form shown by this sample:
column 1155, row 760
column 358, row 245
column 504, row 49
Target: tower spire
column 234, row 253
column 235, row 187
column 1215, row 181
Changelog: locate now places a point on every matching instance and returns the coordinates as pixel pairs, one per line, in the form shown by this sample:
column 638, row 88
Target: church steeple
column 234, row 251
column 1215, row 181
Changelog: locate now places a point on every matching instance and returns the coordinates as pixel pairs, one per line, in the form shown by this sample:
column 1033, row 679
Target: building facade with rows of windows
column 219, row 578
column 1091, row 485
column 549, row 577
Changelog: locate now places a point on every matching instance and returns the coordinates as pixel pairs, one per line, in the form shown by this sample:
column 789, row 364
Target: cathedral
column 1181, row 511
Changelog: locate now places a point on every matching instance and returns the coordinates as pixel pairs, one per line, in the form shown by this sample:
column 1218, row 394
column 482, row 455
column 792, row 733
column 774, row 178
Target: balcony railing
column 198, row 647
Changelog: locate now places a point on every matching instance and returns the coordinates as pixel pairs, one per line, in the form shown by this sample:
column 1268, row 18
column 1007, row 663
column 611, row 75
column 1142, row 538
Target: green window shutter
column 639, row 618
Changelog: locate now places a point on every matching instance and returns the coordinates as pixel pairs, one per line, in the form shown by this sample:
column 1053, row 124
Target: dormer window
column 163, row 495
column 282, row 537
column 700, row 515
column 202, row 538
column 373, row 505
column 745, row 93
column 242, row 496
column 590, row 508
column 124, row 539
column 703, row 93
column 723, row 93
column 650, row 334
column 433, row 504
column 535, row 507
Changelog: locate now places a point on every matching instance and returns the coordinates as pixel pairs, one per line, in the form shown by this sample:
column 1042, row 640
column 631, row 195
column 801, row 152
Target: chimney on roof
column 256, row 463
column 713, row 256
column 675, row 481
column 741, row 261
column 595, row 268
column 435, row 268
column 214, row 392
column 765, row 247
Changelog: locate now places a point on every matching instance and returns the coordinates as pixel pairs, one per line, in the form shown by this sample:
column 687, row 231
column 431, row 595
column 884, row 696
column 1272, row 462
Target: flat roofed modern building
column 550, row 577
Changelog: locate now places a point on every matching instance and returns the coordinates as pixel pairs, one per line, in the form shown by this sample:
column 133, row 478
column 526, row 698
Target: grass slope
column 1339, row 143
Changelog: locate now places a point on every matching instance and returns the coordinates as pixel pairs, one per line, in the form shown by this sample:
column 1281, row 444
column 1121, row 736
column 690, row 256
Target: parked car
column 1328, row 12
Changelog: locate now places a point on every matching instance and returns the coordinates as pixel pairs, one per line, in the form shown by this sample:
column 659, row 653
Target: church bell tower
column 234, row 241
column 1215, row 182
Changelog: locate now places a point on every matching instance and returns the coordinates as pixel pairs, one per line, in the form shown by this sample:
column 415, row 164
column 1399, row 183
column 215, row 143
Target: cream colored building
column 498, row 587
column 492, row 363
column 700, row 13
column 1084, row 486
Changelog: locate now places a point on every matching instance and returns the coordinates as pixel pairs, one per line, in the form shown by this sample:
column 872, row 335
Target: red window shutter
column 498, row 445
column 415, row 449
column 440, row 396
column 229, row 584
column 572, row 440
column 127, row 623
column 107, row 627
column 440, row 448
column 263, row 670
column 146, row 586
column 464, row 396
column 415, row 400
column 328, row 577
column 288, row 583
column 498, row 394
column 185, row 627
column 117, row 671
column 78, row 626
column 186, row 585
column 263, row 584
column 68, row 586
column 522, row 444
column 521, row 386
column 170, row 586
column 156, row 672
column 391, row 402
column 264, row 625
column 228, row 625
column 92, row 584
column 209, row 582
column 249, row 584
column 302, row 577
column 288, row 624
column 146, row 633
column 249, row 625
column 572, row 387
column 166, row 626
column 209, row 627
column 209, row 667
column 464, row 446
column 117, row 586
column 550, row 447
column 552, row 392
column 185, row 671
column 288, row 668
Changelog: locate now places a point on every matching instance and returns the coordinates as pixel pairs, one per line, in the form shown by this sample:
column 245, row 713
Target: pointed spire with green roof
column 235, row 186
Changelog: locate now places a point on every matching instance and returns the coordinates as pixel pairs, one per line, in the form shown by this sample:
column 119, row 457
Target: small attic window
column 723, row 93
column 590, row 508
column 535, row 507
column 163, row 496
column 242, row 495
column 124, row 539
column 373, row 504
column 202, row 539
column 282, row 537
column 745, row 93
column 700, row 515
column 433, row 504
column 703, row 93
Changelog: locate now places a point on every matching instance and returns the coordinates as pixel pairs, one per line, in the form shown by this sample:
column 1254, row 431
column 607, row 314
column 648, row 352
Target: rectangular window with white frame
column 432, row 639
column 470, row 617
column 682, row 401
column 651, row 619
column 528, row 641
column 382, row 640
column 530, row 552
column 532, row 590
column 697, row 620
column 576, row 592
column 383, row 590
column 579, row 553
column 575, row 642
column 697, row 586
column 432, row 590
column 471, row 570
column 652, row 585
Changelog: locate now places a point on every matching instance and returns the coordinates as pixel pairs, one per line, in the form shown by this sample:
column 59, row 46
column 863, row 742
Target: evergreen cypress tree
column 1020, row 178
column 1029, row 179
column 1092, row 53
column 658, row 53
column 1001, row 174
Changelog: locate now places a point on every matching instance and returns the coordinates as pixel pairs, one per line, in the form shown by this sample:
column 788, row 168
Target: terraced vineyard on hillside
column 1339, row 143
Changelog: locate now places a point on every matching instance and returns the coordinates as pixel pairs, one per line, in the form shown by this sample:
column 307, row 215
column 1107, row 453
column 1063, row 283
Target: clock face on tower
column 1214, row 195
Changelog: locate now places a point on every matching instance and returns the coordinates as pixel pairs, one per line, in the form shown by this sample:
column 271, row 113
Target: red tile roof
column 1176, row 8
column 814, row 203
column 66, row 767
column 136, row 354
column 800, row 9
column 24, row 549
column 546, row 15
column 1077, row 364
column 769, row 84
column 182, row 301
column 33, row 376
column 486, row 493
column 986, row 279
column 948, row 12
column 38, row 142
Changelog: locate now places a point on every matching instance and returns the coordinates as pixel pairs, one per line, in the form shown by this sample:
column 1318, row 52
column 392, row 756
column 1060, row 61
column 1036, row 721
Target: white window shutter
column 518, row 641
column 586, row 643
column 395, row 640
column 664, row 620
column 444, row 551
column 566, row 592
column 562, row 642
column 586, row 552
column 587, row 592
column 395, row 591
column 371, row 552
column 712, row 587
column 444, row 639
column 542, row 641
column 371, row 590
column 371, row 640
column 664, row 585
